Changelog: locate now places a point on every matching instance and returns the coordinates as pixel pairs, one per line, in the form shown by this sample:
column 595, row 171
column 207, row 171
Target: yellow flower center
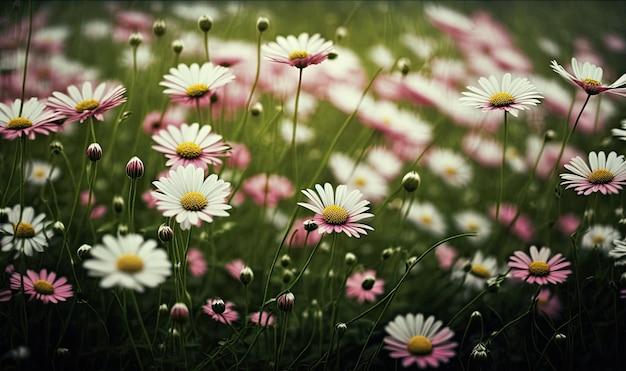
column 501, row 99
column 335, row 215
column 597, row 240
column 593, row 82
column 24, row 230
column 426, row 219
column 360, row 182
column 539, row 268
column 600, row 176
column 480, row 271
column 197, row 90
column 43, row 287
column 419, row 345
column 39, row 174
column 298, row 54
column 19, row 123
column 189, row 150
column 86, row 105
column 450, row 171
column 193, row 201
column 129, row 263
column 387, row 121
column 472, row 227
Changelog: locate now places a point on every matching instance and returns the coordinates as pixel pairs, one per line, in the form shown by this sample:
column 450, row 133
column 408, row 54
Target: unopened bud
column 387, row 253
column 285, row 260
column 368, row 283
column 479, row 354
column 163, row 308
column 350, row 259
column 476, row 315
column 309, row 225
column 256, row 109
column 549, row 136
column 332, row 55
column 94, row 152
column 83, row 250
column 287, row 276
column 262, row 24
column 560, row 337
column 135, row 168
column 205, row 23
column 56, row 147
column 286, row 301
column 179, row 313
column 135, row 39
column 159, row 27
column 341, row 329
column 118, row 204
column 58, row 227
column 246, row 275
column 122, row 229
column 165, row 233
column 218, row 306
column 411, row 181
column 177, row 46
column 404, row 65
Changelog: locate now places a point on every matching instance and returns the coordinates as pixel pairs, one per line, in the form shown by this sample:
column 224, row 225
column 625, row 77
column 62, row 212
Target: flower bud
column 256, row 109
column 179, row 313
column 58, row 227
column 309, row 225
column 94, row 152
column 246, row 275
column 56, row 147
column 177, row 46
column 135, row 168
column 411, row 261
column 262, row 23
column 205, row 23
column 286, row 301
column 63, row 352
column 285, row 260
column 118, row 204
column 287, row 276
column 218, row 306
column 341, row 33
column 165, row 233
column 411, row 181
column 4, row 215
column 476, row 315
column 549, row 135
column 368, row 283
column 163, row 308
column 341, row 329
column 479, row 354
column 122, row 229
column 387, row 253
column 404, row 65
column 159, row 27
column 124, row 116
column 83, row 250
column 560, row 338
column 135, row 39
column 350, row 259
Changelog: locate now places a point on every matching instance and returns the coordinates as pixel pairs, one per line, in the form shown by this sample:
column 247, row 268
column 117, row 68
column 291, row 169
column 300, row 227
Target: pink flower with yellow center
column 539, row 267
column 43, row 286
column 79, row 105
column 301, row 51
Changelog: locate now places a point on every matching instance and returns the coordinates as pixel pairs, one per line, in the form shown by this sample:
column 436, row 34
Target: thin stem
column 293, row 133
column 506, row 133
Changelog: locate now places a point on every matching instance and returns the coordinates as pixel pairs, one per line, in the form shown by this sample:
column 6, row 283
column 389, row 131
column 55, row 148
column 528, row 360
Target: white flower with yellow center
column 471, row 221
column 38, row 172
column 338, row 210
column 128, row 261
column 452, row 168
column 588, row 76
column 24, row 232
column 427, row 218
column 301, row 51
column 188, row 196
column 600, row 237
column 189, row 84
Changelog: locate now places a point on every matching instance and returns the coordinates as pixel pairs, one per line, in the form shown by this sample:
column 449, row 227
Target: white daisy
column 600, row 237
column 359, row 176
column 620, row 133
column 449, row 166
column 481, row 268
column 301, row 51
column 25, row 233
column 38, row 172
column 188, row 196
column 304, row 134
column 618, row 252
column 128, row 261
column 189, row 84
column 472, row 221
column 427, row 218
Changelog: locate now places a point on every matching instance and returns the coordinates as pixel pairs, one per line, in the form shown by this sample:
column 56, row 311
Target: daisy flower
column 195, row 262
column 620, row 133
column 24, row 232
column 618, row 252
column 235, row 267
column 190, row 145
column 338, row 210
column 262, row 318
column 427, row 218
column 452, row 168
column 364, row 286
column 481, row 268
column 510, row 95
column 471, row 221
column 549, row 304
column 600, row 237
column 190, row 84
column 79, row 105
column 301, row 51
column 539, row 267
column 128, row 261
column 227, row 315
column 38, row 172
column 588, row 76
column 604, row 174
column 188, row 196
column 43, row 286
column 418, row 340
column 31, row 118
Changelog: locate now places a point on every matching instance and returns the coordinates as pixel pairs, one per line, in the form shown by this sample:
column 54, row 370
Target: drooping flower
column 43, row 286
column 263, row 318
column 33, row 118
column 588, row 76
column 604, row 174
column 225, row 314
column 128, row 261
column 188, row 196
column 364, row 286
column 190, row 145
column 539, row 267
column 338, row 210
column 79, row 105
column 24, row 232
column 511, row 95
column 419, row 340
column 194, row 83
column 301, row 51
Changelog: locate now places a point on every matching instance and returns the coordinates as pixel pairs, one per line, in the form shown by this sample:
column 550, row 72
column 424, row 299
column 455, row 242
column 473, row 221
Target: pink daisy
column 79, row 105
column 234, row 268
column 604, row 174
column 263, row 318
column 228, row 315
column 364, row 286
column 191, row 84
column 190, row 145
column 28, row 119
column 338, row 211
column 539, row 267
column 301, row 51
column 511, row 95
column 549, row 304
column 588, row 76
column 299, row 237
column 268, row 191
column 196, row 263
column 418, row 340
column 43, row 286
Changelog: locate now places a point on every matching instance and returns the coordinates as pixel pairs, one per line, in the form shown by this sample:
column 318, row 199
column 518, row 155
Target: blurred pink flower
column 196, row 263
column 268, row 191
column 364, row 286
